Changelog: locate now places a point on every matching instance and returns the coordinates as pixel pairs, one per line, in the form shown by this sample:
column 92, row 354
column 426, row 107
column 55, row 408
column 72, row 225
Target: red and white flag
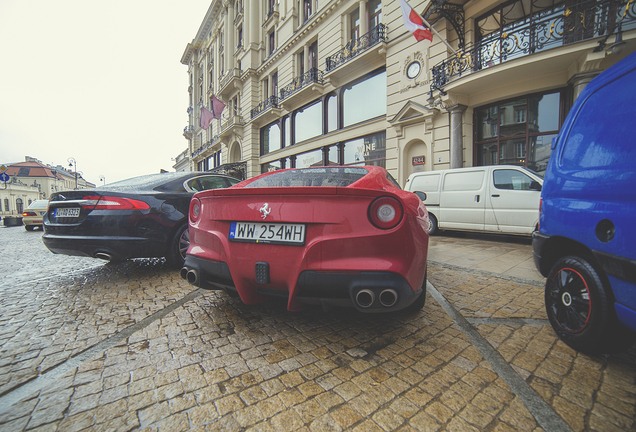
column 414, row 23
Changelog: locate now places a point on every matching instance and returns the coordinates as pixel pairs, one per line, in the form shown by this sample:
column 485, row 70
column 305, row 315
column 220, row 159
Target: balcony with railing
column 356, row 48
column 229, row 82
column 270, row 102
column 313, row 79
column 215, row 139
column 549, row 29
column 235, row 169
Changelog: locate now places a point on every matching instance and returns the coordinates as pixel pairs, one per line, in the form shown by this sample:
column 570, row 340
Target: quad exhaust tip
column 365, row 298
column 388, row 297
column 191, row 276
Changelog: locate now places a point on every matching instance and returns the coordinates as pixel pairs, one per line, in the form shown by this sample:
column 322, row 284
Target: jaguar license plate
column 280, row 233
column 67, row 212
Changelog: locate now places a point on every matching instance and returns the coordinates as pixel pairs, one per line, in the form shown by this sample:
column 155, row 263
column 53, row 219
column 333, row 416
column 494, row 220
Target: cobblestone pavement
column 134, row 347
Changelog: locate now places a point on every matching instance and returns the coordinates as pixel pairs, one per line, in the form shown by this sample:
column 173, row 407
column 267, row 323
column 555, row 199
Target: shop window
column 271, row 138
column 309, row 159
column 369, row 150
column 364, row 100
column 518, row 132
column 308, row 122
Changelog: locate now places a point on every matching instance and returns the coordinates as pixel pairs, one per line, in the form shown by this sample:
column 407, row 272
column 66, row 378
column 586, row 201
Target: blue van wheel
column 579, row 308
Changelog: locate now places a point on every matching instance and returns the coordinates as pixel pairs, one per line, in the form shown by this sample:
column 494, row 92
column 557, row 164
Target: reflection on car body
column 141, row 217
column 340, row 236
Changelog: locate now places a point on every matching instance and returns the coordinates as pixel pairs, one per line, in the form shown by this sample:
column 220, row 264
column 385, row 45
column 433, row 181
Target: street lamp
column 71, row 161
column 102, row 179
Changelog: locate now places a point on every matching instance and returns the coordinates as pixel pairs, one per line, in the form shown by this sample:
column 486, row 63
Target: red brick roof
column 32, row 169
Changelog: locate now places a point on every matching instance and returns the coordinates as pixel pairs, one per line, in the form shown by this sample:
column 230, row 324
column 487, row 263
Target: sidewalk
column 494, row 254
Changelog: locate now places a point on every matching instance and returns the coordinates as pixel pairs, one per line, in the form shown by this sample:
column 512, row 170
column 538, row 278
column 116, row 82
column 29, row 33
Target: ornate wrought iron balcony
column 356, row 47
column 546, row 30
column 313, row 75
column 205, row 146
column 235, row 169
column 270, row 102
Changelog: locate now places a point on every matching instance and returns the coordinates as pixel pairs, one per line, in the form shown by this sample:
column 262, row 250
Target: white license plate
column 280, row 233
column 67, row 212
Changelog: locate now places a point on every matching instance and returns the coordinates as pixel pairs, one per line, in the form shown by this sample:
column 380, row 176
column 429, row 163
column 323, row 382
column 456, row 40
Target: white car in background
column 32, row 215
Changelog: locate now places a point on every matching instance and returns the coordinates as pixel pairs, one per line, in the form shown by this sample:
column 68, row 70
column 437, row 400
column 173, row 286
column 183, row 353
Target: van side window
column 426, row 183
column 602, row 136
column 464, row 181
column 511, row 179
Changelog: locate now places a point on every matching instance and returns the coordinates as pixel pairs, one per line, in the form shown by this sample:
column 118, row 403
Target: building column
column 580, row 81
column 253, row 21
column 227, row 49
column 363, row 17
column 456, row 136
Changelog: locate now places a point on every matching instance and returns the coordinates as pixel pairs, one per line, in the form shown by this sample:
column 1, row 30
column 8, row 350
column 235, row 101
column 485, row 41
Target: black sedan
column 142, row 217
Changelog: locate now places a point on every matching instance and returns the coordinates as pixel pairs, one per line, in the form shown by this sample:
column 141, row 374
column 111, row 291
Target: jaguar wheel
column 179, row 247
column 580, row 308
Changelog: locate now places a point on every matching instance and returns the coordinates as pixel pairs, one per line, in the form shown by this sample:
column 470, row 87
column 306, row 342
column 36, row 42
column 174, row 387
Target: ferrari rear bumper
column 367, row 291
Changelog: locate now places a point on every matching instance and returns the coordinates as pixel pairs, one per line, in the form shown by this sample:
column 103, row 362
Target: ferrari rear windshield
column 323, row 176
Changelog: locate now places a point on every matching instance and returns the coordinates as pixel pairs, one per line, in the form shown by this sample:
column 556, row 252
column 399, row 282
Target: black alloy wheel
column 179, row 247
column 580, row 307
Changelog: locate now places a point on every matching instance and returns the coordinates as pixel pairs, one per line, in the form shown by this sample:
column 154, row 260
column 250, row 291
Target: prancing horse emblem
column 265, row 210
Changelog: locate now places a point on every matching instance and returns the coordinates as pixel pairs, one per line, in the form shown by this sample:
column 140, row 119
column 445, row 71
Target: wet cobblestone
column 213, row 363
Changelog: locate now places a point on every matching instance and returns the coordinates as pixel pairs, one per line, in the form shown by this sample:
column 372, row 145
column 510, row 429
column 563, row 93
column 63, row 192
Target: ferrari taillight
column 112, row 203
column 195, row 209
column 385, row 212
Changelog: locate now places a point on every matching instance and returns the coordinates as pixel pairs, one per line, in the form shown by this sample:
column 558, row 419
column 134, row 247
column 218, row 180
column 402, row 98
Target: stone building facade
column 312, row 82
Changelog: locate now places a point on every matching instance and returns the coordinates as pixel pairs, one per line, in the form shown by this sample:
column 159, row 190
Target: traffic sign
column 4, row 177
column 3, row 168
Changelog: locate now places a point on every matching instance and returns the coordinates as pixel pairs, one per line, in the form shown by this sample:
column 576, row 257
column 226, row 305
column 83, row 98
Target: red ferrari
column 331, row 236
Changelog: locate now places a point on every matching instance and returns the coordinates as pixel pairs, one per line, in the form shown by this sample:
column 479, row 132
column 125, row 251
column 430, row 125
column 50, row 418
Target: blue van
column 586, row 243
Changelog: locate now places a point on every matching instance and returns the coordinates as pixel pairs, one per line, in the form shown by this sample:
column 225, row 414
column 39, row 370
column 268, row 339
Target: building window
column 272, row 42
column 271, row 138
column 274, row 83
column 374, row 9
column 313, row 55
column 364, row 99
column 369, row 150
column 307, row 9
column 240, row 37
column 518, row 132
column 354, row 22
column 6, row 205
column 308, row 122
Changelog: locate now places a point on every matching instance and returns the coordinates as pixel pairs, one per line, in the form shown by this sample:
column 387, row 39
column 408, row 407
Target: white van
column 497, row 198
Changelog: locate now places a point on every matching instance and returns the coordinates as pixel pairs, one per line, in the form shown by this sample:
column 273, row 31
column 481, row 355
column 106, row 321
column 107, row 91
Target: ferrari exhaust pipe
column 192, row 276
column 365, row 298
column 184, row 272
column 388, row 297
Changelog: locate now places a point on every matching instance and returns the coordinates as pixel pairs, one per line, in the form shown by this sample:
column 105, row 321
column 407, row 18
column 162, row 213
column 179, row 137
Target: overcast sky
column 99, row 81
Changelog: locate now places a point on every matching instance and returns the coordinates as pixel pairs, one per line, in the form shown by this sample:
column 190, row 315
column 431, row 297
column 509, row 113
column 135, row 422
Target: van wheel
column 432, row 224
column 580, row 308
